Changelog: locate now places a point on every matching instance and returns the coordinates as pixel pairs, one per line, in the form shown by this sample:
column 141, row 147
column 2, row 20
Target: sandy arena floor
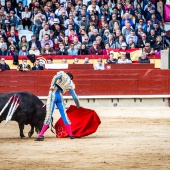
column 128, row 138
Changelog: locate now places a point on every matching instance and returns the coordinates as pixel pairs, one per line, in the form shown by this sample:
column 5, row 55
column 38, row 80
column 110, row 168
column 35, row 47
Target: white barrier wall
column 165, row 59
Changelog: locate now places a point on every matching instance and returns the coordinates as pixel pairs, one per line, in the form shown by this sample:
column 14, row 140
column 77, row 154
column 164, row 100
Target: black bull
column 31, row 111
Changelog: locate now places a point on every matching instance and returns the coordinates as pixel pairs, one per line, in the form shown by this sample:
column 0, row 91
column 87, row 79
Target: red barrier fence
column 55, row 57
column 92, row 82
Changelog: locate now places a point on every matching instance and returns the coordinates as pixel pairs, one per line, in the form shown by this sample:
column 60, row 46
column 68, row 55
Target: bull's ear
column 15, row 59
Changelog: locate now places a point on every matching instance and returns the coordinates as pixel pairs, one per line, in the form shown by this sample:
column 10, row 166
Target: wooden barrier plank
column 92, row 82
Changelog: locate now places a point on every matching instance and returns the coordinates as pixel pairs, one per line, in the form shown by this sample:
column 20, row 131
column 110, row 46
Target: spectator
column 94, row 35
column 86, row 60
column 87, row 42
column 23, row 42
column 2, row 41
column 123, row 46
column 158, row 30
column 77, row 43
column 106, row 50
column 148, row 50
column 117, row 35
column 95, row 49
column 34, row 50
column 148, row 27
column 142, row 24
column 55, row 41
column 127, row 17
column 83, row 50
column 12, row 50
column 72, row 50
column 52, row 36
column 62, row 17
column 62, row 50
column 11, row 42
column 68, row 30
column 49, row 61
column 110, row 40
column 38, row 23
column 12, row 28
column 3, row 50
column 37, row 65
column 139, row 31
column 99, row 41
column 143, row 58
column 111, row 23
column 111, row 60
column 127, row 30
column 23, row 51
column 84, row 22
column 60, row 37
column 76, row 61
column 99, row 65
column 66, row 42
column 35, row 42
column 64, row 61
column 46, row 40
column 101, row 23
column 8, row 7
column 44, row 31
column 26, row 18
column 14, row 37
column 3, row 65
column 72, row 35
column 47, row 49
column 158, row 46
column 13, row 19
column 123, row 59
column 133, row 36
column 106, row 35
column 24, row 66
column 6, row 24
column 143, row 41
column 152, row 38
column 19, row 9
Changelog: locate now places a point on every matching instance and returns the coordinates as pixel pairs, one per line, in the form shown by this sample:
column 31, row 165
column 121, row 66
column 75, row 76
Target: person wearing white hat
column 123, row 46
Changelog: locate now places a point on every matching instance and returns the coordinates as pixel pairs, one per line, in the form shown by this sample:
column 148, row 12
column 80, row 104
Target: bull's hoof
column 30, row 134
column 22, row 137
column 41, row 138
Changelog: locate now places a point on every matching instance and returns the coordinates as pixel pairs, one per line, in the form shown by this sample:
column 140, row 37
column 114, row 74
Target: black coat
column 5, row 53
column 59, row 52
column 141, row 43
column 158, row 46
column 83, row 52
column 4, row 67
column 37, row 43
column 146, row 60
column 38, row 68
column 151, row 40
column 62, row 18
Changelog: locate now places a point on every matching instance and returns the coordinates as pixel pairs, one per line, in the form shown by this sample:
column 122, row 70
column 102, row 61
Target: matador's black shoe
column 41, row 138
column 71, row 137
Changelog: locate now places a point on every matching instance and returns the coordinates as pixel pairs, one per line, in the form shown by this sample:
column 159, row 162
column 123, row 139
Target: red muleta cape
column 83, row 122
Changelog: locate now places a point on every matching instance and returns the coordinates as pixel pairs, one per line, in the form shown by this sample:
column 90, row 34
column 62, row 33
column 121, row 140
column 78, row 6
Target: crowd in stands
column 83, row 27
